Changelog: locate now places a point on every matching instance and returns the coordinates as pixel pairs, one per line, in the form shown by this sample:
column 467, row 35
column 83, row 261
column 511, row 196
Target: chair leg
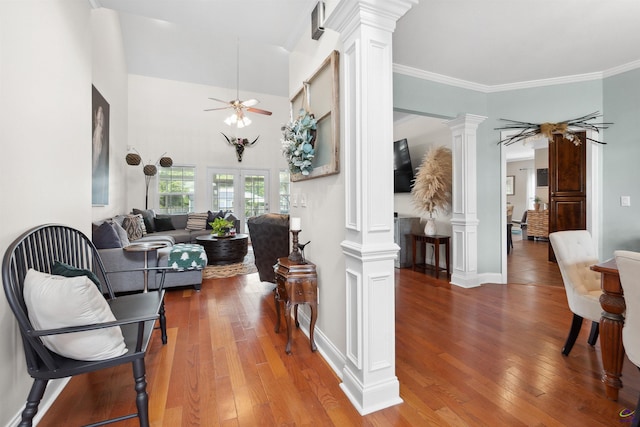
column 593, row 336
column 576, row 324
column 142, row 399
column 33, row 400
column 163, row 323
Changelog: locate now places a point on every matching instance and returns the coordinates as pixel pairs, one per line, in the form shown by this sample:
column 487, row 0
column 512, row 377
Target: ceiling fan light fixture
column 231, row 120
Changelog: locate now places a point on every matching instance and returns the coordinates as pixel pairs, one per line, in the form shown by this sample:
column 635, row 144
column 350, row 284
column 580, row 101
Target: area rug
column 219, row 271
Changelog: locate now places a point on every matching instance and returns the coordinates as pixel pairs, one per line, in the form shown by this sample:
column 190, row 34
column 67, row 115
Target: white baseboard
column 326, row 348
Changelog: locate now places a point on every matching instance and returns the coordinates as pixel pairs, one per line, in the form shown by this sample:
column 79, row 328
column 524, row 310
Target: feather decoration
column 431, row 191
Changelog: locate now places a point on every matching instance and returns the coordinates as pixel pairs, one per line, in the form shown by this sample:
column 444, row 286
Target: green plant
column 220, row 226
column 537, row 200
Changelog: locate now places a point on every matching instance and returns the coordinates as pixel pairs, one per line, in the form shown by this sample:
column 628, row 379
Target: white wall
column 323, row 220
column 110, row 78
column 45, row 134
column 422, row 133
column 519, row 169
column 168, row 116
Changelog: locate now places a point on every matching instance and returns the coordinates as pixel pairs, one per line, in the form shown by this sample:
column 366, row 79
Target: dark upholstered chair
column 270, row 240
column 37, row 253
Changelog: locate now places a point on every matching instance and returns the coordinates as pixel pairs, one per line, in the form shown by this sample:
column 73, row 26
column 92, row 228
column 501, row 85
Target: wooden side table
column 435, row 240
column 296, row 284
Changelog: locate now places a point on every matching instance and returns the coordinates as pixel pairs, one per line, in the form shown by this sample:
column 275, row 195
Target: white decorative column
column 464, row 220
column 365, row 28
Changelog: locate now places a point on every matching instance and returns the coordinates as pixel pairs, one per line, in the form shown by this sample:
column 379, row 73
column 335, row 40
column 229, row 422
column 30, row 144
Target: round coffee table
column 224, row 250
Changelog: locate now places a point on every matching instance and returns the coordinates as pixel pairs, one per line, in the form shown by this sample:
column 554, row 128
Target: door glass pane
column 254, row 200
column 222, row 192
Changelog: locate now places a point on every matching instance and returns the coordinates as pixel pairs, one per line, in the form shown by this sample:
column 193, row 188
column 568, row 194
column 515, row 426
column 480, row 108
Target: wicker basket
column 538, row 223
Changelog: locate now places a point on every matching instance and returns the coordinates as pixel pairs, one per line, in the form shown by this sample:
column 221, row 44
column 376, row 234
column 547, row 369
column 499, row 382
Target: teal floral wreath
column 298, row 137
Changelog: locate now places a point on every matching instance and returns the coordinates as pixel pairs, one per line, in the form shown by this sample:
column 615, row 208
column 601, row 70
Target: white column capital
column 466, row 120
column 350, row 14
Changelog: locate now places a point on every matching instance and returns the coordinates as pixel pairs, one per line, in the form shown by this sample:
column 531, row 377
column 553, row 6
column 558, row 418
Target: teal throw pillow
column 66, row 270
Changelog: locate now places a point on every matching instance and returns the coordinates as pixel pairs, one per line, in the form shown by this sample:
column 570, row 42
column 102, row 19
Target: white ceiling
column 489, row 42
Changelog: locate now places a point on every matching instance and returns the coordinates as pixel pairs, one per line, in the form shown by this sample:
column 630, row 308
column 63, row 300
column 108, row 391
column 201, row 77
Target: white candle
column 295, row 223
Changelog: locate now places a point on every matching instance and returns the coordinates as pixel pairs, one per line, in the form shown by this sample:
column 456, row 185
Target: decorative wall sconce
column 240, row 144
column 150, row 169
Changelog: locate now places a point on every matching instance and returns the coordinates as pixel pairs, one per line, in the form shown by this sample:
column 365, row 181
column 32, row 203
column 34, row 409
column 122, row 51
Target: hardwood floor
column 527, row 263
column 488, row 356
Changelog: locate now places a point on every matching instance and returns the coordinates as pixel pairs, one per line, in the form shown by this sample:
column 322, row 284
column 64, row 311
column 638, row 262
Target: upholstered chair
column 575, row 253
column 269, row 235
column 629, row 268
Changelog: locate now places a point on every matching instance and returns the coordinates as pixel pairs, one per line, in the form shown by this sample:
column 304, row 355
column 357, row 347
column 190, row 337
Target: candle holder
column 295, row 256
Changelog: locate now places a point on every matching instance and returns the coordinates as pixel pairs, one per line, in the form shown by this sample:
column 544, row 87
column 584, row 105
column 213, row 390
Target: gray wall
column 621, row 162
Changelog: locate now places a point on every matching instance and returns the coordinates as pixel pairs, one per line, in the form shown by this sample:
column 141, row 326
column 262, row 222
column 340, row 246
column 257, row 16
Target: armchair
column 28, row 281
column 575, row 253
column 269, row 235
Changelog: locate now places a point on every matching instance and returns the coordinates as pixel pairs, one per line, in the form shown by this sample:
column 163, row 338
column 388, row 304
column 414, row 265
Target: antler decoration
column 530, row 130
column 240, row 144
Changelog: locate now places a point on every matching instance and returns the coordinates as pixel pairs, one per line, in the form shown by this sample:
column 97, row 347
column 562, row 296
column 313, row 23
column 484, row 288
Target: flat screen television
column 402, row 168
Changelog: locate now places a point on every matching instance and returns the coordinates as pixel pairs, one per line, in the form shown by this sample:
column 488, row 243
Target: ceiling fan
column 238, row 117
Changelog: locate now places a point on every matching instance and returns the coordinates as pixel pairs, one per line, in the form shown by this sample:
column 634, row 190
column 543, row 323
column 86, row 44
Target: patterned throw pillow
column 196, row 221
column 133, row 226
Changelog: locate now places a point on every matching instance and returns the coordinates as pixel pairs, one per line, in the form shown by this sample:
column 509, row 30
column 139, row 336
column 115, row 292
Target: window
column 176, row 189
column 285, row 190
column 222, row 188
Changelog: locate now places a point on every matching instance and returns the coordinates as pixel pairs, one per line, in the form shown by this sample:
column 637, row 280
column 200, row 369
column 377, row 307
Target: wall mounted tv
column 402, row 168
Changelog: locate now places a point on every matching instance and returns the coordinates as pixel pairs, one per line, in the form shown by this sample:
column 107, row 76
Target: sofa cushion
column 105, row 237
column 132, row 225
column 148, row 217
column 197, row 221
column 211, row 216
column 58, row 302
column 122, row 233
column 163, row 223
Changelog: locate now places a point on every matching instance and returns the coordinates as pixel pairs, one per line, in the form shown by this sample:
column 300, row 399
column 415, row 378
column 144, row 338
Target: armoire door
column 567, row 186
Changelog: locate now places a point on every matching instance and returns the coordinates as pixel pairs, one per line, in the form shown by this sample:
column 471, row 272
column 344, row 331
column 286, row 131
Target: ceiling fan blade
column 250, row 102
column 220, row 100
column 220, row 108
column 259, row 111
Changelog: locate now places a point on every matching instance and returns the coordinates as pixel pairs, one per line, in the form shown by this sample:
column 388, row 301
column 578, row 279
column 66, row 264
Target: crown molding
column 465, row 84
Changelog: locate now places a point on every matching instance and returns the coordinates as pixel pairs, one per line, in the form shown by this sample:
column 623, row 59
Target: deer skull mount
column 240, row 144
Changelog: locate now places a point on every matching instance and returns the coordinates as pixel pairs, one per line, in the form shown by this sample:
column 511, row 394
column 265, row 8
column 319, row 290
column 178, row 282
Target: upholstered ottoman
column 187, row 261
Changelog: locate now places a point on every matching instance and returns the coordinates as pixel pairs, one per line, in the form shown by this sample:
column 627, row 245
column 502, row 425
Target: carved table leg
column 288, row 320
column 612, row 302
column 276, row 299
column 314, row 315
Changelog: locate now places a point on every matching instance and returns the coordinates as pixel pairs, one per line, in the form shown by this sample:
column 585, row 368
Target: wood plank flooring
column 488, row 356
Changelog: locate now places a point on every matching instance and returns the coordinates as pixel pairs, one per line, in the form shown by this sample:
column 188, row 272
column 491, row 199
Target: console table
column 296, row 284
column 435, row 240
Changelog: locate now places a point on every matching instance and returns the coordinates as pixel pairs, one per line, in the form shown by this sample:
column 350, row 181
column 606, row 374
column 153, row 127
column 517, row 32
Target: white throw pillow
column 57, row 302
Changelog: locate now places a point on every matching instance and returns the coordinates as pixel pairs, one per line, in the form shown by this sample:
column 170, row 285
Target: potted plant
column 220, row 227
column 536, row 203
column 432, row 187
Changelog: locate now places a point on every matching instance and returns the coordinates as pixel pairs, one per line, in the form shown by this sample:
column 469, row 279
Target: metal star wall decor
column 568, row 129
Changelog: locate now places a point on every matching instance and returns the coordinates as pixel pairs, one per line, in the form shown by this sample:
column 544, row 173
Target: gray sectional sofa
column 110, row 237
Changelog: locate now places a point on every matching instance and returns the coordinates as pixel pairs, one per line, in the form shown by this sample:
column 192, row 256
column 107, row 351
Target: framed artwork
column 99, row 149
column 542, row 177
column 322, row 97
column 511, row 185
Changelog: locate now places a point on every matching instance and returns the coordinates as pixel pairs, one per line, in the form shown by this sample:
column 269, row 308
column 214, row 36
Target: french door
column 245, row 192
